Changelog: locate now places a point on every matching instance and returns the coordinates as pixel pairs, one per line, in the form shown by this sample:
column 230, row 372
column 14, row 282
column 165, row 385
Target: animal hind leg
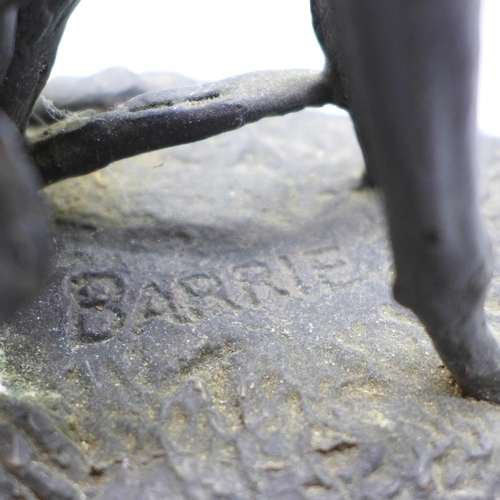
column 410, row 70
column 23, row 226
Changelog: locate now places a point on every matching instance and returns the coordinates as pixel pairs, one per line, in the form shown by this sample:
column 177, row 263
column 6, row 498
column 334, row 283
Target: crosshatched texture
column 219, row 325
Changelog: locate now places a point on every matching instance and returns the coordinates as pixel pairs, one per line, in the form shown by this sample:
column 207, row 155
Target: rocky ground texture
column 219, row 325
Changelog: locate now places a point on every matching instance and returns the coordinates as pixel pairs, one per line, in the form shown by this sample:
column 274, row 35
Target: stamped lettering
column 98, row 314
column 207, row 290
column 258, row 282
column 330, row 267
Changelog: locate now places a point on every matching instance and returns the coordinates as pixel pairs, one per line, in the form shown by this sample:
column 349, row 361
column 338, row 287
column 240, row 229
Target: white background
column 213, row 39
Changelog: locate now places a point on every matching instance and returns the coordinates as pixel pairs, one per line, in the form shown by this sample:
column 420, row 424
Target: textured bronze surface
column 219, row 326
column 407, row 74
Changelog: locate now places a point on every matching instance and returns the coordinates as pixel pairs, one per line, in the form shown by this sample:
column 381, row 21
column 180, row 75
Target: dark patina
column 406, row 72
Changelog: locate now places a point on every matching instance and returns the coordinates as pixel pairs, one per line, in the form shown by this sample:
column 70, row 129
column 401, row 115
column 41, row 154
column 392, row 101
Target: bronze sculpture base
column 219, row 325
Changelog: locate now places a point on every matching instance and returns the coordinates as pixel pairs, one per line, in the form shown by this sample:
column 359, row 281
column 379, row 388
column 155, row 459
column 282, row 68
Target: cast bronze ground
column 412, row 98
column 219, row 324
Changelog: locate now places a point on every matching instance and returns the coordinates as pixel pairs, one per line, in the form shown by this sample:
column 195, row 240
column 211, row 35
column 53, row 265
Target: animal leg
column 23, row 225
column 409, row 69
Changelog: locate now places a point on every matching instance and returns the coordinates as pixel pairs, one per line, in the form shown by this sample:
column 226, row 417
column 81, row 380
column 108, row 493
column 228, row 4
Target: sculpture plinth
column 219, row 323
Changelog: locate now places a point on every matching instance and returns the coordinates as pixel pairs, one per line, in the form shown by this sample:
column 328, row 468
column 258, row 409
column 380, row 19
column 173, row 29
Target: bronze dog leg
column 23, row 228
column 408, row 74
